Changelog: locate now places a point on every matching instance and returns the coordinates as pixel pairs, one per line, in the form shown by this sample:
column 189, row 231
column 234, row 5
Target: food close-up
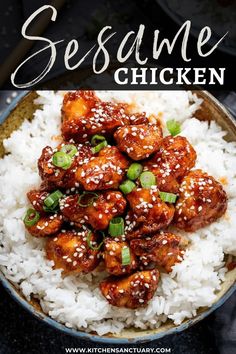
column 117, row 208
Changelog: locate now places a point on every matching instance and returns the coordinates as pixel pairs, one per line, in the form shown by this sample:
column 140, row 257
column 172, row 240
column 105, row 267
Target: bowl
column 23, row 107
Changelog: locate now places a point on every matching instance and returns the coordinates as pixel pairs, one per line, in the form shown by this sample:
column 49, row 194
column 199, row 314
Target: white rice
column 76, row 300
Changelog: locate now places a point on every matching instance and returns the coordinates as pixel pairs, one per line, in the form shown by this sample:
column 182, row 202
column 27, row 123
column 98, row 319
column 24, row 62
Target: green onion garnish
column 52, row 201
column 127, row 187
column 31, row 217
column 116, row 227
column 61, row 159
column 125, row 255
column 87, row 199
column 134, row 171
column 99, row 147
column 147, row 179
column 69, row 149
column 96, row 139
column 89, row 242
column 173, row 126
column 168, row 197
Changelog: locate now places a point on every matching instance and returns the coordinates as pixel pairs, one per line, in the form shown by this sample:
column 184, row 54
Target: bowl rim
column 10, row 288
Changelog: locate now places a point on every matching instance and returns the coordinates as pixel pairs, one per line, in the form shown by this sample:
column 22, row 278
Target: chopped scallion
column 99, row 147
column 168, row 197
column 87, row 198
column 96, row 139
column 147, row 179
column 116, row 227
column 127, row 187
column 125, row 255
column 52, row 201
column 134, row 171
column 90, row 243
column 31, row 217
column 173, row 126
column 61, row 159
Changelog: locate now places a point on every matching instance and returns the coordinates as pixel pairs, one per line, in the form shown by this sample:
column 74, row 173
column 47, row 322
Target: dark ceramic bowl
column 23, row 107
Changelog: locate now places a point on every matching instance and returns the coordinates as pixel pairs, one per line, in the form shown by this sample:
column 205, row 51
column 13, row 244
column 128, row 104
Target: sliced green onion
column 52, row 209
column 96, row 139
column 173, row 126
column 99, row 147
column 147, row 179
column 31, row 217
column 134, row 171
column 127, row 186
column 51, row 203
column 53, row 199
column 125, row 255
column 69, row 149
column 89, row 242
column 61, row 159
column 88, row 197
column 168, row 197
column 116, row 227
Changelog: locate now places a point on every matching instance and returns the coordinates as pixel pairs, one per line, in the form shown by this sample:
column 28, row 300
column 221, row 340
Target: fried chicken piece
column 47, row 225
column 36, row 198
column 103, row 207
column 139, row 141
column 54, row 176
column 165, row 249
column 148, row 212
column 202, row 201
column 133, row 291
column 71, row 252
column 105, row 171
column 84, row 115
column 113, row 257
column 171, row 163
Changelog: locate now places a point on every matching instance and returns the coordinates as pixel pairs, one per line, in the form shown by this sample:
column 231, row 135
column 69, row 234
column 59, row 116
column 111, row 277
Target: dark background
column 19, row 331
column 82, row 20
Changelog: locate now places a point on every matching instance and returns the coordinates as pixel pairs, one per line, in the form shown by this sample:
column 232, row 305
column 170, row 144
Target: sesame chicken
column 70, row 251
column 139, row 141
column 171, row 162
column 54, row 176
column 113, row 257
column 36, row 198
column 148, row 212
column 132, row 291
column 105, row 171
column 84, row 115
column 100, row 209
column 164, row 249
column 202, row 200
column 47, row 225
column 114, row 190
